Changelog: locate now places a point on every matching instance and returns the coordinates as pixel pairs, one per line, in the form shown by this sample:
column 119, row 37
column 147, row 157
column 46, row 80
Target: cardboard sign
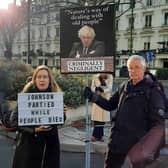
column 40, row 108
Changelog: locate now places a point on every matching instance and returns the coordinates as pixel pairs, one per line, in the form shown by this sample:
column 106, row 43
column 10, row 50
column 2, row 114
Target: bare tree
column 94, row 2
column 11, row 21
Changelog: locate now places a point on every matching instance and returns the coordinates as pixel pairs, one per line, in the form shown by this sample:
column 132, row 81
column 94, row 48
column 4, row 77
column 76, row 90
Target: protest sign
column 40, row 108
column 87, row 33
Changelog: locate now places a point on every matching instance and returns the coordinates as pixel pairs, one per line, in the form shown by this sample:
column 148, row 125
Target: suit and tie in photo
column 96, row 49
column 88, row 46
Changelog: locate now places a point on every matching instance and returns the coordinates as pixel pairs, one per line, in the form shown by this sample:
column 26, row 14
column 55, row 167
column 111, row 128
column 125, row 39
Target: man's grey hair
column 136, row 57
column 86, row 31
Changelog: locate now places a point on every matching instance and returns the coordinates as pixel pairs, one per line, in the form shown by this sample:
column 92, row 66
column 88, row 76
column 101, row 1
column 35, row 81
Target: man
column 88, row 47
column 136, row 115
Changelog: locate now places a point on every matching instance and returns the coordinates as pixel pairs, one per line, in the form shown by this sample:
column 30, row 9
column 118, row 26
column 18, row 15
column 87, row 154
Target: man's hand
column 99, row 89
column 65, row 109
column 88, row 94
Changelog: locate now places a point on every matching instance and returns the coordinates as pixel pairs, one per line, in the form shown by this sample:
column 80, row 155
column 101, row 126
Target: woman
column 38, row 146
column 102, row 84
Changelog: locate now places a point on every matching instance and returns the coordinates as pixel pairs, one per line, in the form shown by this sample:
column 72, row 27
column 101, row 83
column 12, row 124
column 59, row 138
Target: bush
column 13, row 75
column 73, row 90
column 162, row 74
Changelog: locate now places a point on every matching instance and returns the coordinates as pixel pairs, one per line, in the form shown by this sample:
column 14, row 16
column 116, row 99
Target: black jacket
column 35, row 150
column 138, row 111
column 96, row 49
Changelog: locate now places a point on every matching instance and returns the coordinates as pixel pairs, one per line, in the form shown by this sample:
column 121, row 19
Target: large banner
column 40, row 109
column 87, row 39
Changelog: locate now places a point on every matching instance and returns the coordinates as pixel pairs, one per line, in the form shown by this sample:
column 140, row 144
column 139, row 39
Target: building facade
column 146, row 30
column 143, row 30
column 44, row 36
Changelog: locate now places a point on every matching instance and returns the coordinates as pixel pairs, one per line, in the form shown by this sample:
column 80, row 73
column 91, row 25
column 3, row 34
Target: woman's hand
column 48, row 128
column 65, row 109
column 42, row 128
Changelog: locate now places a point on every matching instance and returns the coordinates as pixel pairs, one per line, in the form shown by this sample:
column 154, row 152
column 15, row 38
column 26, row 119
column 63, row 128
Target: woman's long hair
column 53, row 83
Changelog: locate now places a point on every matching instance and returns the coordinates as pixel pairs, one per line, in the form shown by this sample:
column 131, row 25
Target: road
column 68, row 159
column 6, row 152
column 77, row 160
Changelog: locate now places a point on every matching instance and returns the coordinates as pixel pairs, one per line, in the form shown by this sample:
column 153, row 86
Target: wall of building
column 45, row 34
column 154, row 34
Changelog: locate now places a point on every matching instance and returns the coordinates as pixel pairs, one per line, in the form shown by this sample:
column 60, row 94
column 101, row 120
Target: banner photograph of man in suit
column 88, row 45
column 87, row 39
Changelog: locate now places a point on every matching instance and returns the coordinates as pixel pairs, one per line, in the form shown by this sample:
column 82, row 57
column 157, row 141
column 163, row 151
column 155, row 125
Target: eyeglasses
column 42, row 77
column 136, row 68
column 87, row 37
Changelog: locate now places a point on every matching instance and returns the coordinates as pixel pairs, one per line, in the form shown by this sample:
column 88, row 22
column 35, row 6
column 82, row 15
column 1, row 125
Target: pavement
column 73, row 133
column 73, row 136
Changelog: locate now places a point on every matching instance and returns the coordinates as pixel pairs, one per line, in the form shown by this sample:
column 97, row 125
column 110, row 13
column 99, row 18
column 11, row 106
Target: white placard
column 40, row 108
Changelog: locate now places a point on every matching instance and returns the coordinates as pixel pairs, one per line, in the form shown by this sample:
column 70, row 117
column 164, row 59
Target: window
column 24, row 60
column 25, row 47
column 40, row 46
column 25, row 35
column 123, row 62
column 131, row 23
column 166, row 1
column 45, row 61
column 148, row 20
column 117, row 62
column 33, row 34
column 53, row 63
column 57, row 63
column 19, row 48
column 41, row 33
column 166, row 18
column 149, row 3
column 33, row 21
column 57, row 17
column 165, row 64
column 32, row 46
column 48, row 18
column 19, row 36
column 40, row 61
column 146, row 45
column 48, row 45
column 117, row 24
column 30, row 61
column 130, row 44
column 57, row 30
column 24, row 53
column 48, row 32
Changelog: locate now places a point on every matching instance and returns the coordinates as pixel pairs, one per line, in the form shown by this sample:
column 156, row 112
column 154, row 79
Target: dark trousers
column 114, row 160
column 98, row 131
column 37, row 152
